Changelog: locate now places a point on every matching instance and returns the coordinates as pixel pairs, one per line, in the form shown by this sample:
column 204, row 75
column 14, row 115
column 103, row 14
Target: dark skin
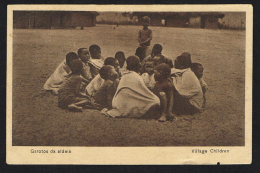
column 145, row 26
column 164, row 90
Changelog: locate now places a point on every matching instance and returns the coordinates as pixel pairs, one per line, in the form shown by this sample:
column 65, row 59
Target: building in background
column 54, row 19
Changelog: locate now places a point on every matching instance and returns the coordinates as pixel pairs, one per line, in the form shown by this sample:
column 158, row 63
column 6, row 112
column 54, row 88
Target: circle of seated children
column 127, row 87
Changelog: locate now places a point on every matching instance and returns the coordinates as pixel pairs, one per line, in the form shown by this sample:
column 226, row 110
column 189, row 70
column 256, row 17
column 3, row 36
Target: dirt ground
column 37, row 120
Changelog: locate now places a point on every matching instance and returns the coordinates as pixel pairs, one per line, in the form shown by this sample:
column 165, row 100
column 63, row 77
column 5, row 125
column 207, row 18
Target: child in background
column 95, row 84
column 120, row 56
column 145, row 35
column 69, row 96
column 59, row 75
column 96, row 61
column 105, row 93
column 197, row 68
column 148, row 75
column 164, row 90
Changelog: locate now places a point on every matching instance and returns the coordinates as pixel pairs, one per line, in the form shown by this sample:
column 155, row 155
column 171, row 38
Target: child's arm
column 77, row 91
column 85, row 80
column 86, row 75
column 148, row 39
column 111, row 89
column 139, row 37
column 169, row 92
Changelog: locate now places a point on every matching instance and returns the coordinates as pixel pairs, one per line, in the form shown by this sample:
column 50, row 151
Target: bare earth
column 37, row 120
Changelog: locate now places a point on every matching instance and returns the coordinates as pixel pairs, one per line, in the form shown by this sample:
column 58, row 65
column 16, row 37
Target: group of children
column 130, row 87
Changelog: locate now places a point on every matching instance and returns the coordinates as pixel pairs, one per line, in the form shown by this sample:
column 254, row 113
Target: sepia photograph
column 128, row 78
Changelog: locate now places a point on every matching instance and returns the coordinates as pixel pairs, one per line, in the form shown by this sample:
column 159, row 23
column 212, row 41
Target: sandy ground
column 37, row 121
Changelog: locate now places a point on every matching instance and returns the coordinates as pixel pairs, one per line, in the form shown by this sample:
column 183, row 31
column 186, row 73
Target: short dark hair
column 158, row 47
column 184, row 61
column 76, row 66
column 104, row 71
column 146, row 18
column 195, row 66
column 71, row 56
column 110, row 61
column 164, row 69
column 94, row 48
column 133, row 63
column 120, row 55
column 140, row 52
column 80, row 50
column 186, row 54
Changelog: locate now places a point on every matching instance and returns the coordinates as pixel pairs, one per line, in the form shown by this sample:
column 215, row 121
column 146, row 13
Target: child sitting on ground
column 164, row 90
column 69, row 95
column 54, row 82
column 148, row 75
column 84, row 55
column 95, row 84
column 120, row 56
column 157, row 51
column 106, row 92
column 96, row 61
column 188, row 96
column 140, row 52
column 197, row 68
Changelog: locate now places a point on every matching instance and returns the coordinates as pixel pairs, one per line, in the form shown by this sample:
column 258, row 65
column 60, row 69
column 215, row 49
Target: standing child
column 120, row 56
column 197, row 68
column 145, row 35
column 148, row 75
column 105, row 93
column 69, row 96
column 164, row 90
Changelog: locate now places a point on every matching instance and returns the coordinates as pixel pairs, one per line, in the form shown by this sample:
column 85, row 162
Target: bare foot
column 163, row 118
column 171, row 117
column 75, row 108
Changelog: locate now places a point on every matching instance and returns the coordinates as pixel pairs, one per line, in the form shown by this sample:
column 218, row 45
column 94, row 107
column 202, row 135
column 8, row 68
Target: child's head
column 120, row 56
column 182, row 62
column 157, row 49
column 95, row 51
column 162, row 71
column 71, row 56
column 83, row 54
column 140, row 52
column 146, row 21
column 149, row 66
column 76, row 66
column 108, row 72
column 186, row 54
column 113, row 62
column 159, row 59
column 133, row 64
column 197, row 68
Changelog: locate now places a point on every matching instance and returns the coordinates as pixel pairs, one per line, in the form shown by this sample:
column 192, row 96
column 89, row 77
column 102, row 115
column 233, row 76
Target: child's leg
column 76, row 106
column 163, row 100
